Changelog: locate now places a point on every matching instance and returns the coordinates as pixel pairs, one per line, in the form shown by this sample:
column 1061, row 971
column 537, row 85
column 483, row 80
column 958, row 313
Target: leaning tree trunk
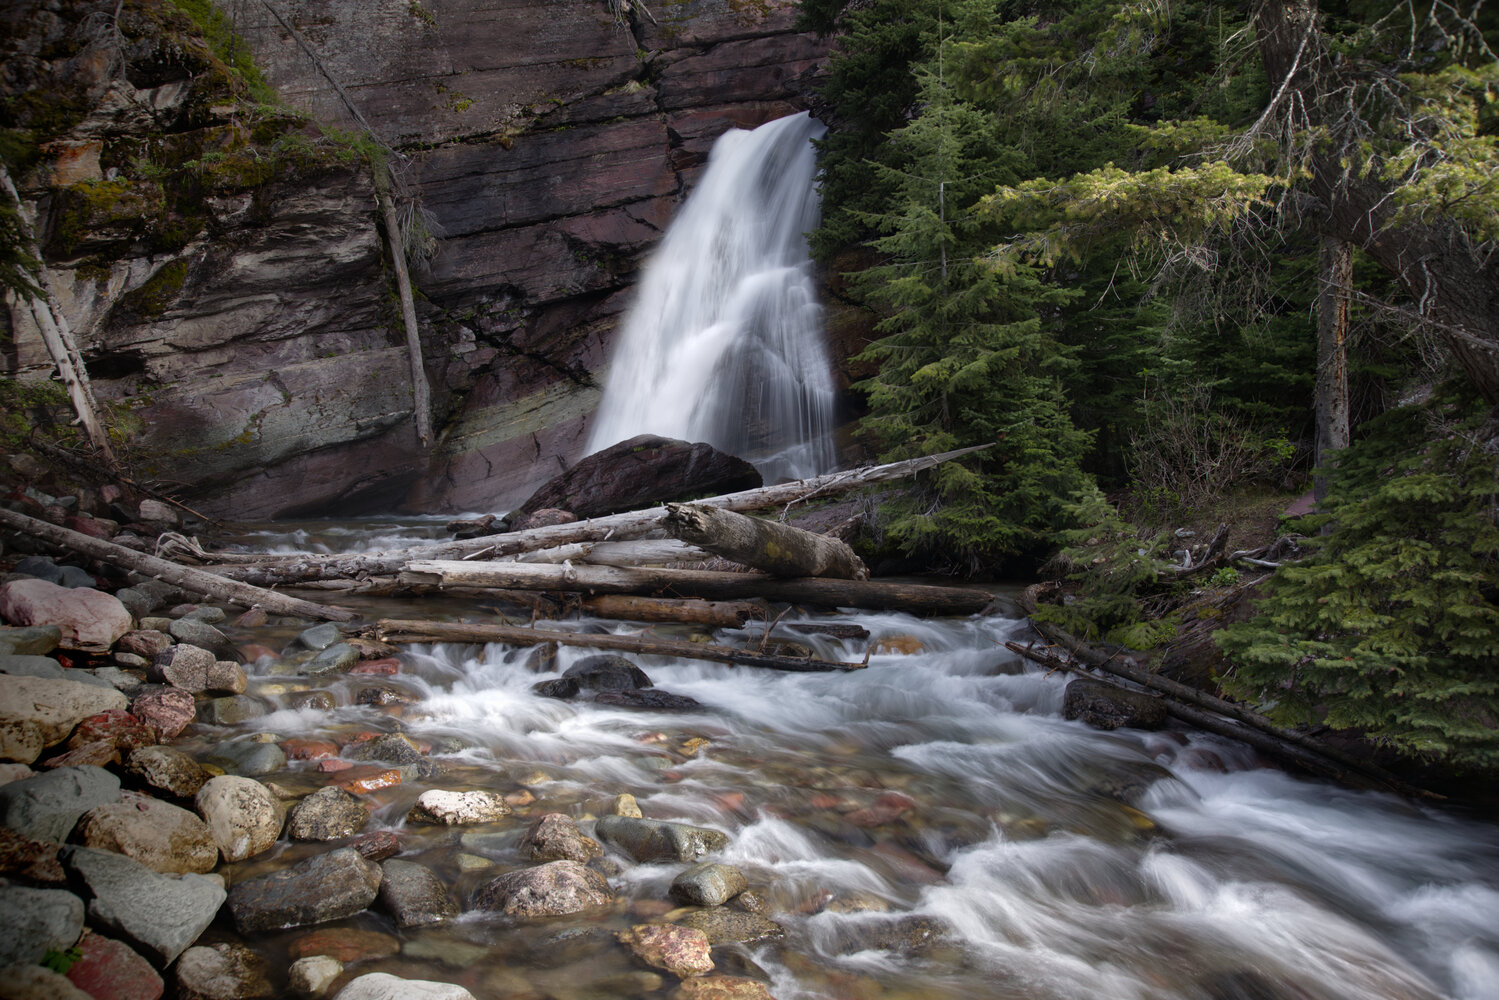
column 778, row 549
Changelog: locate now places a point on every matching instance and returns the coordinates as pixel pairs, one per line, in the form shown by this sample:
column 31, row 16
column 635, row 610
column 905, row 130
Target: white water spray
column 725, row 342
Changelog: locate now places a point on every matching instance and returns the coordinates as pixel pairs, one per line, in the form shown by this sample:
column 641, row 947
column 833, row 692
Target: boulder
column 54, row 706
column 37, row 920
column 555, row 837
column 550, row 890
column 682, row 951
column 163, row 837
column 383, row 986
column 1108, row 706
column 168, row 709
column 641, row 472
column 414, row 896
column 48, row 805
column 654, row 840
column 112, row 970
column 327, row 814
column 326, row 887
column 606, row 672
column 546, row 517
column 458, row 808
column 166, row 769
column 725, row 926
column 223, row 972
column 159, row 914
column 241, row 813
column 89, row 620
column 708, row 885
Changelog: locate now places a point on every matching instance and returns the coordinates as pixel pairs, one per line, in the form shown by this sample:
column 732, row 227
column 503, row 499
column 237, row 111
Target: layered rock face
column 548, row 143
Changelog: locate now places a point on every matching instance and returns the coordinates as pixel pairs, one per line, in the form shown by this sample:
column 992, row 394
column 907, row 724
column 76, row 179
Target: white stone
column 54, row 705
column 311, row 976
column 383, row 986
column 458, row 808
column 242, row 814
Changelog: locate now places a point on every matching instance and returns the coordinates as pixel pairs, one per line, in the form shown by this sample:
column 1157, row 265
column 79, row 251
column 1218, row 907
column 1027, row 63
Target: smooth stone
column 202, row 634
column 231, row 710
column 553, row 889
column 74, row 577
column 454, row 954
column 377, row 846
column 226, row 676
column 127, row 680
column 55, row 705
column 208, row 614
column 625, row 805
column 247, row 758
column 385, row 694
column 48, row 805
column 414, row 896
column 336, row 658
column 223, row 972
column 166, row 769
column 327, row 814
column 37, row 920
column 155, row 624
column 139, row 603
column 311, row 976
column 168, row 709
column 241, row 813
column 21, row 741
column 347, row 944
column 89, row 620
column 724, row 926
column 320, row 637
column 607, row 672
column 327, row 887
column 458, row 808
column 655, row 840
column 655, row 698
column 159, row 914
column 112, row 970
column 682, row 951
column 41, row 568
column 384, row 986
column 556, row 837
column 708, row 885
column 161, row 836
column 906, row 935
column 29, row 640
column 322, row 701
column 14, row 772
column 721, row 988
column 33, row 982
column 149, row 643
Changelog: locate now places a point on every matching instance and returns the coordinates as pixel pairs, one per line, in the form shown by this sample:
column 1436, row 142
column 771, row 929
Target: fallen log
column 714, row 614
column 778, row 549
column 392, row 630
column 213, row 587
column 292, row 569
column 867, row 594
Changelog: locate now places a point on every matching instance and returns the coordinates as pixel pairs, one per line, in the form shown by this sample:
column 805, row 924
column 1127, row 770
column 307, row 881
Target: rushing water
column 725, row 341
column 938, row 789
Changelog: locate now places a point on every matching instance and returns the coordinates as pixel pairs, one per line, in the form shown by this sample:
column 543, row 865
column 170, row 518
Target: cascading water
column 724, row 343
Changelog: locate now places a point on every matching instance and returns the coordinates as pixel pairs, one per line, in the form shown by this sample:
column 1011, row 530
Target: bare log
column 714, row 614
column 269, row 571
column 778, row 549
column 199, row 582
column 871, row 594
column 388, row 630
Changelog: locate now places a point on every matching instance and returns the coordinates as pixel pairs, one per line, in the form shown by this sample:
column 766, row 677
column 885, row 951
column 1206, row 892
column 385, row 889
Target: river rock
column 550, row 890
column 383, row 986
column 161, row 836
column 641, row 472
column 655, row 840
column 458, row 808
column 624, row 804
column 198, row 633
column 724, row 926
column 149, row 643
column 327, row 814
column 88, row 620
column 313, row 975
column 320, row 637
column 721, row 988
column 119, row 727
column 336, row 658
column 160, row 914
column 231, row 710
column 223, row 972
column 241, row 813
column 29, row 640
column 168, row 709
column 29, row 860
column 183, row 666
column 656, row 699
column 414, row 896
column 112, row 970
column 54, row 706
column 682, row 951
column 1108, row 706
column 326, row 887
column 907, row 935
column 396, row 748
column 37, row 920
column 48, row 805
column 33, row 982
column 377, row 846
column 607, row 672
column 556, row 837
column 708, row 885
column 21, row 740
column 345, row 943
column 166, row 769
column 137, row 601
column 247, row 758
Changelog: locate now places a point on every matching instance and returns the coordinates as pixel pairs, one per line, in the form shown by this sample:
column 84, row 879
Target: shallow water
column 938, row 789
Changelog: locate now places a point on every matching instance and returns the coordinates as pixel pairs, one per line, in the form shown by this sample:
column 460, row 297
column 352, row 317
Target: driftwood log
column 713, row 614
column 393, row 630
column 197, row 581
column 269, row 571
column 778, row 549
column 868, row 594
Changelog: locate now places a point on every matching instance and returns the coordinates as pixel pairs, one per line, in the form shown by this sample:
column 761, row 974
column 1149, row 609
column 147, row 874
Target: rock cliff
column 219, row 258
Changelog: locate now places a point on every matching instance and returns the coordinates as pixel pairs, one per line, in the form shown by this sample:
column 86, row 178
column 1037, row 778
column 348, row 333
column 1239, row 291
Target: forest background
column 1183, row 260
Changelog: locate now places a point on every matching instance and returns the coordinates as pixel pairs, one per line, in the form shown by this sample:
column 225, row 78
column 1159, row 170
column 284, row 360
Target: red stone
column 31, row 860
column 886, row 809
column 347, row 944
column 332, row 764
column 377, row 846
column 254, row 651
column 254, row 618
column 111, row 970
column 90, row 526
column 125, row 730
column 100, row 753
column 299, row 749
column 377, row 668
column 168, row 709
column 361, row 780
column 519, row 797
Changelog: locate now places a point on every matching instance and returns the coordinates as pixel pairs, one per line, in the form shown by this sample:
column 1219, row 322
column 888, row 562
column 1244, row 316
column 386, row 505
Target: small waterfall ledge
column 725, row 341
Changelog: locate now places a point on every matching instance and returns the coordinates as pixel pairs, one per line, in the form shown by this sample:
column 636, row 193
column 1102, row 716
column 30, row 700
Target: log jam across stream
column 926, row 827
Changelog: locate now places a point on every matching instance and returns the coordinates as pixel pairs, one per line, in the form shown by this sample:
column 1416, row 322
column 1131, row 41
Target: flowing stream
column 725, row 341
column 929, row 827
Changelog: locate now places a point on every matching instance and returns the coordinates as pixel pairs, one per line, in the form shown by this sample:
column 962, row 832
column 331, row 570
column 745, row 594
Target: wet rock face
column 555, row 147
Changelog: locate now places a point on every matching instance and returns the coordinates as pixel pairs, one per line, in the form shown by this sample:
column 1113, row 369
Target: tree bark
column 778, row 549
column 869, row 594
column 422, row 631
column 1334, row 298
column 199, row 582
column 421, row 392
column 713, row 614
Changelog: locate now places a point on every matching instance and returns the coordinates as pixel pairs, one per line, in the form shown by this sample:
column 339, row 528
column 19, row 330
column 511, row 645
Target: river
column 928, row 827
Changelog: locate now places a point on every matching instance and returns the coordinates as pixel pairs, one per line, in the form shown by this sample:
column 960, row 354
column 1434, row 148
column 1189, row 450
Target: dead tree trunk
column 778, row 549
column 195, row 580
column 421, row 392
column 713, row 614
column 1334, row 298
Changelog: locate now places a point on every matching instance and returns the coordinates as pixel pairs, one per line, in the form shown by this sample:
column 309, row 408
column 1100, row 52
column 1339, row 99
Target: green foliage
column 60, row 961
column 19, row 268
column 1391, row 626
column 24, row 405
column 226, row 45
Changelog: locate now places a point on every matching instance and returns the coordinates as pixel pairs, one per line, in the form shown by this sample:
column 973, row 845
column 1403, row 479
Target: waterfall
column 724, row 343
